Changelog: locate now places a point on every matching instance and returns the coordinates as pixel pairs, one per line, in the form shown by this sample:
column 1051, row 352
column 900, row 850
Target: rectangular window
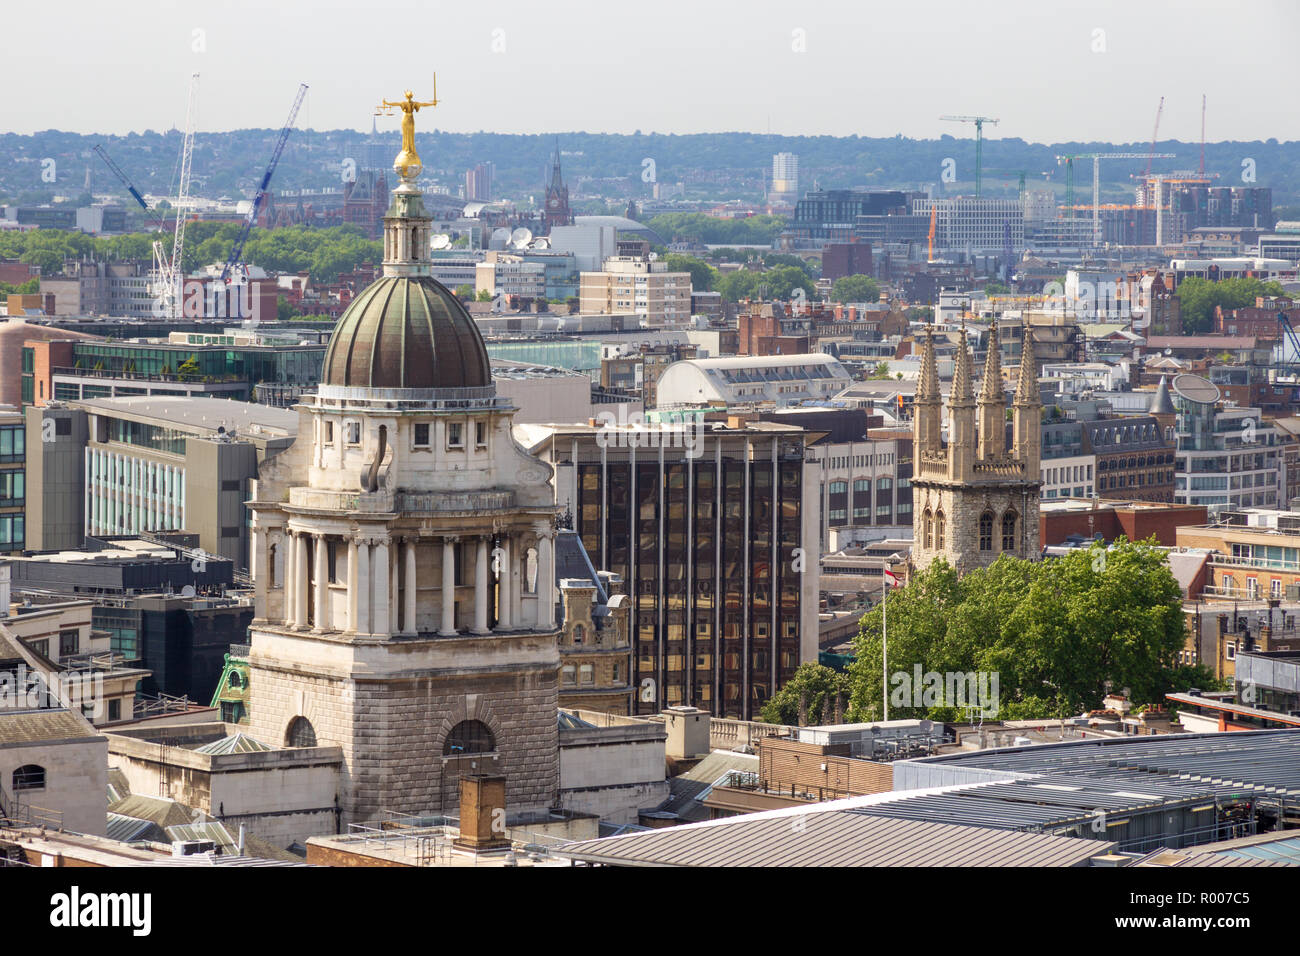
column 115, row 709
column 329, row 433
column 454, row 439
column 422, row 435
column 67, row 643
column 480, row 434
column 586, row 674
column 568, row 674
column 352, row 432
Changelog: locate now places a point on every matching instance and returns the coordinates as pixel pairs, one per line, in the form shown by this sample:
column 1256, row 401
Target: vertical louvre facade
column 708, row 548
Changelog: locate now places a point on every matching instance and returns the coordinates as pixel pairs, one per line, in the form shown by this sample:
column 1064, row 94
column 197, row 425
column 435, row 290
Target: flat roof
column 836, row 833
column 196, row 414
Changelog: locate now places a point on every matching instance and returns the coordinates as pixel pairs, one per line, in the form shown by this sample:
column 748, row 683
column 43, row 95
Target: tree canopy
column 855, row 289
column 814, row 685
column 1198, row 298
column 1059, row 634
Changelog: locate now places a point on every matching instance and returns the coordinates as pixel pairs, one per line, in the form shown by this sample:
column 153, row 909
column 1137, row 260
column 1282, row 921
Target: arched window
column 235, row 681
column 579, row 634
column 301, row 733
column 29, row 777
column 928, row 528
column 1009, row 531
column 986, row 531
column 938, row 531
column 469, row 737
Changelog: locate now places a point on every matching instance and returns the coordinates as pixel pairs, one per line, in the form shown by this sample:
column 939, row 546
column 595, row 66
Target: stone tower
column 402, row 557
column 557, row 212
column 972, row 499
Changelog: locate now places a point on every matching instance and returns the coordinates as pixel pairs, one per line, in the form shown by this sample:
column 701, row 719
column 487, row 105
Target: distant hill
column 716, row 166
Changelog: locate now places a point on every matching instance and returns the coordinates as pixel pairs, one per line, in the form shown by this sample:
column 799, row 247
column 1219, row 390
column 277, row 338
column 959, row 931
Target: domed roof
column 406, row 332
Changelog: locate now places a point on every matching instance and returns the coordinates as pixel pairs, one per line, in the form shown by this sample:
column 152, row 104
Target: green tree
column 483, row 294
column 465, row 292
column 1057, row 633
column 283, row 310
column 1199, row 297
column 188, row 369
column 856, row 289
column 703, row 275
column 813, row 685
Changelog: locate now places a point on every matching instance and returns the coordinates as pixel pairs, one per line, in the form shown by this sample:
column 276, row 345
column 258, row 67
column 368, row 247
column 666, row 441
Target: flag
column 891, row 579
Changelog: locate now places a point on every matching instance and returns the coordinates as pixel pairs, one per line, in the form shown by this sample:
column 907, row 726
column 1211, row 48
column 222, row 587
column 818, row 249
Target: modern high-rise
column 785, row 178
column 715, row 529
column 478, row 183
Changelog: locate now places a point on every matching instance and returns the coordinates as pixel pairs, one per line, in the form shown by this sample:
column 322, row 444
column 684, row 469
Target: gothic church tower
column 972, row 498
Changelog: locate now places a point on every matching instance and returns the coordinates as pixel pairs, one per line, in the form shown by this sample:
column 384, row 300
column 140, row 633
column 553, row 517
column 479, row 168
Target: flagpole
column 884, row 640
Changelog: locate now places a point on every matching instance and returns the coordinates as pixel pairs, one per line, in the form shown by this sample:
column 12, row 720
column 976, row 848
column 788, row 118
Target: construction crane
column 170, row 271
column 979, row 122
column 260, row 195
column 1288, row 337
column 1155, row 133
column 1202, row 169
column 1008, row 173
column 1096, row 181
column 130, row 187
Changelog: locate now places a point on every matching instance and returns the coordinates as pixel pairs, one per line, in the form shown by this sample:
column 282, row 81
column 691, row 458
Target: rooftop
column 197, row 415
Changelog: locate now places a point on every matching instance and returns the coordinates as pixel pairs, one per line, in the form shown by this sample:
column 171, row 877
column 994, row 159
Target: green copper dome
column 406, row 332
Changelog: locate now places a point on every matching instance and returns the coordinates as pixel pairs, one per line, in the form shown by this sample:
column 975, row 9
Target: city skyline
column 787, row 72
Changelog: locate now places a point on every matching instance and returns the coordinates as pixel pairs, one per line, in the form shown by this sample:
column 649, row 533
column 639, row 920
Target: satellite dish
column 542, row 242
column 500, row 238
column 521, row 237
column 188, row 591
column 653, row 256
column 440, row 241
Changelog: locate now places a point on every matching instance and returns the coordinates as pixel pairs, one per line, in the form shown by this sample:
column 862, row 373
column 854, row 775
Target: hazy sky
column 1051, row 71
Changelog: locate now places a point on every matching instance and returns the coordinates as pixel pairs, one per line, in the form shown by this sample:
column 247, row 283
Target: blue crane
column 260, row 196
column 135, row 193
column 1289, row 337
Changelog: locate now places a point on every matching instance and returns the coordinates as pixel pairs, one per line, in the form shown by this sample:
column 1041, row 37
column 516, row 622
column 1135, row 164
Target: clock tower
column 557, row 211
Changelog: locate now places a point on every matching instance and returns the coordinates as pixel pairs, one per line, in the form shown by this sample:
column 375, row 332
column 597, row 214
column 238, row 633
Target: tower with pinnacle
column 973, row 498
column 557, row 211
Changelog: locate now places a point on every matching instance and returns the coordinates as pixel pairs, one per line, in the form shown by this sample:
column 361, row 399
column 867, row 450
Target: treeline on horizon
column 713, row 164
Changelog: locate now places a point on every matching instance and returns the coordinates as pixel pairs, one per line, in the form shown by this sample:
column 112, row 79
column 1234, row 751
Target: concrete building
column 784, row 187
column 13, row 481
column 632, row 281
column 750, row 380
column 53, row 762
column 717, row 527
column 595, row 632
column 973, row 498
column 116, row 466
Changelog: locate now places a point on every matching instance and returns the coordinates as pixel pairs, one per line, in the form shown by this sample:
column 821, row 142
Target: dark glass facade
column 706, row 547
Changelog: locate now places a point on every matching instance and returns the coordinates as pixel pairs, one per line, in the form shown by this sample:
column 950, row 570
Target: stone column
column 481, row 586
column 382, row 590
column 448, row 587
column 409, row 595
column 505, row 603
column 352, row 584
column 290, row 545
column 300, row 582
column 257, row 571
column 545, row 580
column 322, row 622
column 361, row 623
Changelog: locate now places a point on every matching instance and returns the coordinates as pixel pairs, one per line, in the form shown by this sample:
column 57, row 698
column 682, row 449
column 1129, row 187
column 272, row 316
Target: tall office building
column 478, row 183
column 718, row 542
column 785, row 178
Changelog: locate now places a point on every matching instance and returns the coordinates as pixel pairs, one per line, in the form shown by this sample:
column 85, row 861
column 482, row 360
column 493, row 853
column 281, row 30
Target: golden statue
column 407, row 164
